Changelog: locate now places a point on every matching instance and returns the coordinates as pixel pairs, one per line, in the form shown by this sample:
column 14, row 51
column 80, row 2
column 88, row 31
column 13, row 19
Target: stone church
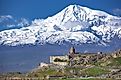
column 64, row 59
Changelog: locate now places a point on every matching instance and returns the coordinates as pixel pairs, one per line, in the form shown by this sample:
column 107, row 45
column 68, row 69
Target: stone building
column 75, row 58
column 63, row 60
column 71, row 56
column 71, row 53
column 59, row 60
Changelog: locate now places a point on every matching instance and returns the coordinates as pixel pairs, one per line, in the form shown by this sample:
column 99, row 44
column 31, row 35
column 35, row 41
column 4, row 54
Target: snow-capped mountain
column 75, row 24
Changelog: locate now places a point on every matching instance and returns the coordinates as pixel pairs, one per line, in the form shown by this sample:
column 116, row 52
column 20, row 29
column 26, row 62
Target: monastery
column 75, row 58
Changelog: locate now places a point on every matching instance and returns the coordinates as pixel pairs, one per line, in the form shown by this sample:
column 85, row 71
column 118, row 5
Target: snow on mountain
column 74, row 24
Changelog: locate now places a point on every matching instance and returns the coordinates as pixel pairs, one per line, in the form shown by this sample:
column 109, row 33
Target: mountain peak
column 76, row 7
column 79, row 14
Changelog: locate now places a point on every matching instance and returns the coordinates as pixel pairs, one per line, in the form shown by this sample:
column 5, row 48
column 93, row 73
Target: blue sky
column 31, row 9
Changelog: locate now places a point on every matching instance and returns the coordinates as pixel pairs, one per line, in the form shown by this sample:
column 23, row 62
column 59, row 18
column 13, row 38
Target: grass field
column 94, row 71
column 85, row 79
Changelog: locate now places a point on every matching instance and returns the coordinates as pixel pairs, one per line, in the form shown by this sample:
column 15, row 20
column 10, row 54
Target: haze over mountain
column 73, row 25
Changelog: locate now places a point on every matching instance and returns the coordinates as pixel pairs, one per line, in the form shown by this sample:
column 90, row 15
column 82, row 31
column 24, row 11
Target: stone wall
column 65, row 57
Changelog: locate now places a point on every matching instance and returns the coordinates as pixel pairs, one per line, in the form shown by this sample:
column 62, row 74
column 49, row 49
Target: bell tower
column 71, row 53
column 72, row 50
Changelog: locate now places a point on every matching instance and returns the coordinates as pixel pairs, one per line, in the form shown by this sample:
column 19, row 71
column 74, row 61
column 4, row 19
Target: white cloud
column 5, row 17
column 117, row 11
column 23, row 22
column 10, row 26
column 8, row 21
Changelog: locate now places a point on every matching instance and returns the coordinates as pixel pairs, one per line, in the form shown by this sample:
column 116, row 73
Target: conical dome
column 72, row 50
